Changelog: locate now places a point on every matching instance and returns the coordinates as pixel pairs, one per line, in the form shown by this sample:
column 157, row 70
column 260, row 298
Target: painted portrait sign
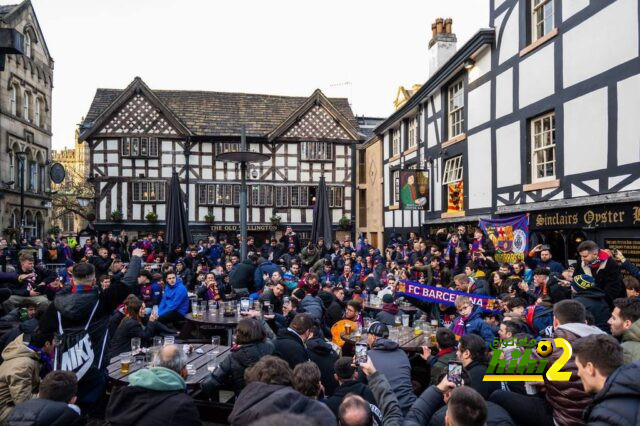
column 414, row 190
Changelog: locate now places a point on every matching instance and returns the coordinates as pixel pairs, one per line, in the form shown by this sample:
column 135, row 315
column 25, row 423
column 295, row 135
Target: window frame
column 412, row 135
column 395, row 186
column 281, row 197
column 14, row 100
column 134, row 147
column 336, row 197
column 455, row 115
column 395, row 142
column 28, row 45
column 144, row 191
column 452, row 170
column 261, row 195
column 26, row 106
column 37, row 112
column 316, row 151
column 543, row 148
column 538, row 18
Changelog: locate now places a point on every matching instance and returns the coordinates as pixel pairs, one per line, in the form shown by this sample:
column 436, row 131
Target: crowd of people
column 70, row 308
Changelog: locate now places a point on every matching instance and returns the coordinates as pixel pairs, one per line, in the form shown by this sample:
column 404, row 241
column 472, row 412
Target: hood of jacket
column 157, row 379
column 319, row 346
column 383, row 344
column 391, row 308
column 633, row 333
column 18, row 349
column 595, row 293
column 580, row 330
column 76, row 306
column 350, row 386
column 249, row 354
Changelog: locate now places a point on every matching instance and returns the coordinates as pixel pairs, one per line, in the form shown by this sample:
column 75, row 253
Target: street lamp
column 243, row 157
column 22, row 158
column 83, row 201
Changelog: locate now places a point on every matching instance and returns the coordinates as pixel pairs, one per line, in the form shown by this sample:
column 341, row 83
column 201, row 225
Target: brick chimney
column 442, row 45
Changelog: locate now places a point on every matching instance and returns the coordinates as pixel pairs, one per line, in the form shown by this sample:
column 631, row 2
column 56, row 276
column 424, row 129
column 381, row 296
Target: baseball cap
column 378, row 329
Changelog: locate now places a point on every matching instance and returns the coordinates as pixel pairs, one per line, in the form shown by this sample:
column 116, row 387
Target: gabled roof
column 216, row 113
column 441, row 76
column 317, row 98
column 135, row 87
column 8, row 12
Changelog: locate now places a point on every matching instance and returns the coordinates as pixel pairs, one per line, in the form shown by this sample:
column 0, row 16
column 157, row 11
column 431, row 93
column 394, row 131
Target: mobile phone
column 154, row 310
column 361, row 353
column 244, row 305
column 454, row 373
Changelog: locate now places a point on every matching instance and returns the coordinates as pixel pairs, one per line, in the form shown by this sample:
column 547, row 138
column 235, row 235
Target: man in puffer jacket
column 616, row 386
column 392, row 362
column 593, row 298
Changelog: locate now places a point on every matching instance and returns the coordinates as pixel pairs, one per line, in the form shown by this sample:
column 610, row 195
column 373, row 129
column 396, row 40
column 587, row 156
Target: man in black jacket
column 242, row 274
column 290, row 343
column 594, row 299
column 347, row 378
column 102, row 262
column 603, row 268
column 32, row 288
column 616, row 386
column 155, row 396
column 87, row 306
column 321, row 352
column 55, row 404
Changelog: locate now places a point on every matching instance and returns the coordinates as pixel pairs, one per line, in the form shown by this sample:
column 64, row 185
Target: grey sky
column 282, row 47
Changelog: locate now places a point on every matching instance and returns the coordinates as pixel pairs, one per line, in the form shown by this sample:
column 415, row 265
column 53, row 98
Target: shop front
column 615, row 225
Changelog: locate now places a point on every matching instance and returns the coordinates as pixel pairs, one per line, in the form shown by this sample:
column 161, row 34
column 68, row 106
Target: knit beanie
column 582, row 282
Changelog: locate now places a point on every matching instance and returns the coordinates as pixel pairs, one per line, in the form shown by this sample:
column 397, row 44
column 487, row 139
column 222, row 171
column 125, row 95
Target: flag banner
column 455, row 197
column 509, row 236
column 414, row 192
column 445, row 296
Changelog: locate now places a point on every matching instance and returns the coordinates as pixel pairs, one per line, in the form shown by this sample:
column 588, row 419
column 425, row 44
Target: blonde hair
column 461, row 301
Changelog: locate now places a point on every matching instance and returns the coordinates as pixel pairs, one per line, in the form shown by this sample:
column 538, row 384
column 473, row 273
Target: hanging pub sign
column 509, row 236
column 414, row 190
column 598, row 216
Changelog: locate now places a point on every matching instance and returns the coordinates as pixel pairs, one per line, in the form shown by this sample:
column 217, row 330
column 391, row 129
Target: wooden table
column 410, row 343
column 217, row 319
column 377, row 308
column 198, row 359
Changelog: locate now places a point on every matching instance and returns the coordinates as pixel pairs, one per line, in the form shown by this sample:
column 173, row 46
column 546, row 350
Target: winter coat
column 290, row 347
column 322, row 353
column 312, row 306
column 346, row 388
column 231, row 371
column 393, row 362
column 242, row 276
column 476, row 325
column 618, row 402
column 440, row 365
column 551, row 265
column 594, row 300
column 309, row 257
column 476, row 371
column 155, row 396
column 631, row 343
column 632, row 269
column 388, row 314
column 130, row 328
column 335, row 312
column 101, row 264
column 267, row 267
column 43, row 275
column 429, row 409
column 568, row 398
column 607, row 276
column 43, row 412
column 258, row 400
column 174, row 298
column 19, row 375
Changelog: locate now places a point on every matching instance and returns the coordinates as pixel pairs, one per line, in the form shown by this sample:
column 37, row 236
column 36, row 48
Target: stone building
column 76, row 164
column 25, row 127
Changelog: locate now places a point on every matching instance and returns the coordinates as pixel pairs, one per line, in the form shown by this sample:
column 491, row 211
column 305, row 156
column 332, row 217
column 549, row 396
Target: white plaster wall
column 160, row 210
column 437, row 102
column 585, row 133
column 504, row 93
column 479, row 105
column 628, row 120
column 482, row 65
column 228, row 214
column 112, row 144
column 388, row 219
column 607, row 39
column 479, row 148
column 397, row 218
column 192, row 201
column 536, row 76
column 570, row 7
column 407, row 217
column 385, row 145
column 136, row 212
column 508, row 155
column 431, row 135
column 437, row 187
column 509, row 45
column 125, row 193
column 387, row 178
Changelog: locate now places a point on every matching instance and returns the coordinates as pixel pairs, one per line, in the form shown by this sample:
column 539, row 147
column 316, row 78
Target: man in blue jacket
column 175, row 301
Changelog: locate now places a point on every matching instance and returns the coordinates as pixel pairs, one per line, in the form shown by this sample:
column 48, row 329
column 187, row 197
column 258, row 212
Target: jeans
column 525, row 410
column 18, row 301
column 171, row 317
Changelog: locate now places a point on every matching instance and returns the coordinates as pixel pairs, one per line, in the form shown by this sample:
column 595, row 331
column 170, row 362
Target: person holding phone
column 388, row 358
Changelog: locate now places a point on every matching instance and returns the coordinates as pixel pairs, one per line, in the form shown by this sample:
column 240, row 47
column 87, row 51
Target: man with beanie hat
column 389, row 311
column 393, row 362
column 593, row 298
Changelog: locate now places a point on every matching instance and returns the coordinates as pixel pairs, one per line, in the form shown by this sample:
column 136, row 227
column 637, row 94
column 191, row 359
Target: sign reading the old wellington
column 622, row 215
column 254, row 228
